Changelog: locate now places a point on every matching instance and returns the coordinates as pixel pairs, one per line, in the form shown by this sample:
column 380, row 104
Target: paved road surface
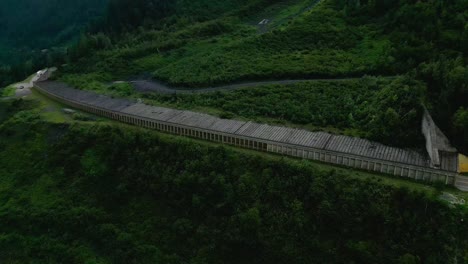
column 24, row 88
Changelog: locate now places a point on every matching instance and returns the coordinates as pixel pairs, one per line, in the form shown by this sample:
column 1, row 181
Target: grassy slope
column 228, row 48
column 316, row 44
column 351, row 107
column 8, row 91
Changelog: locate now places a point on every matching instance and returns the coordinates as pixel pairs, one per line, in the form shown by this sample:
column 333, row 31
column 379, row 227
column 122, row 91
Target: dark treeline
column 43, row 24
column 19, row 71
column 35, row 34
column 127, row 15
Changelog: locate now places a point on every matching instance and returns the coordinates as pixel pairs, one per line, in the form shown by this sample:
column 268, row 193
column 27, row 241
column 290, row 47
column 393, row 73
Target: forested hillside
column 206, row 43
column 77, row 188
column 27, row 27
column 100, row 193
column 42, row 24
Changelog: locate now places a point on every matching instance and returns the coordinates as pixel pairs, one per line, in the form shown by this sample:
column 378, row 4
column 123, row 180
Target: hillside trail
column 264, row 25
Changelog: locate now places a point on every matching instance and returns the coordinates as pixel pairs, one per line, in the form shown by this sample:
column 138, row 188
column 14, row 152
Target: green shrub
column 8, row 91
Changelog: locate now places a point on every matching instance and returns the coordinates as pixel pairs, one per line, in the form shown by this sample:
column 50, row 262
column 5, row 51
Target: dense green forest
column 101, row 193
column 35, row 34
column 40, row 25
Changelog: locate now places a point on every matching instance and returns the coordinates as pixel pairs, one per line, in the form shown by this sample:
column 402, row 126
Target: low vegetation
column 386, row 110
column 308, row 47
column 318, row 44
column 7, row 91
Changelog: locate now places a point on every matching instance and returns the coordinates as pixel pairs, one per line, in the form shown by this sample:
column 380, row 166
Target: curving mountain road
column 154, row 86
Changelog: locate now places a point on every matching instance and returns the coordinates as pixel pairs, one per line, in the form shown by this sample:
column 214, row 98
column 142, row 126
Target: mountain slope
column 76, row 188
column 91, row 192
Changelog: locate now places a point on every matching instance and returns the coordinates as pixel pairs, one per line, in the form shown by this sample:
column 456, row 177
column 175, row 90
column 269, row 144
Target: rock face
column 44, row 75
column 438, row 147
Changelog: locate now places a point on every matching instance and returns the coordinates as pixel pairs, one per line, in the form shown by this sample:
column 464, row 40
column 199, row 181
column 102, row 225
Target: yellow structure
column 463, row 163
